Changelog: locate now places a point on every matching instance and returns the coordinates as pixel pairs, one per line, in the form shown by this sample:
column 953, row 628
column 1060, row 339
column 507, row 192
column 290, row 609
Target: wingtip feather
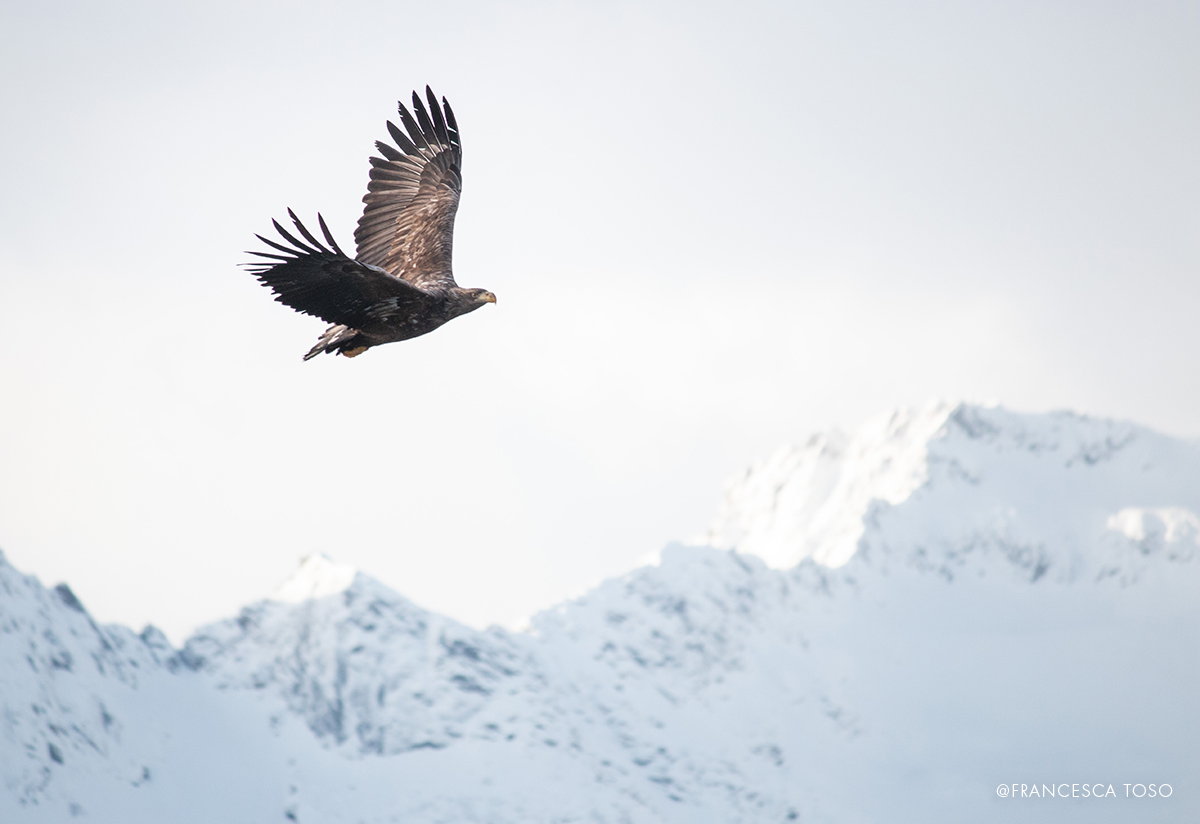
column 329, row 235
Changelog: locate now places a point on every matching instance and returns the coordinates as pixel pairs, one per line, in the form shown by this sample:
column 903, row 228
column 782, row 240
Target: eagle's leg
column 340, row 339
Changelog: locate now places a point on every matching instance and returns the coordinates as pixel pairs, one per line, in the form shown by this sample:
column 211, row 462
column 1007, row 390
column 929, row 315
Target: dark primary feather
column 407, row 227
column 326, row 283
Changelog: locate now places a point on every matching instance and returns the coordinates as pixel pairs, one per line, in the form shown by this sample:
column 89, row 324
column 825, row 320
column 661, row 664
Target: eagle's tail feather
column 339, row 339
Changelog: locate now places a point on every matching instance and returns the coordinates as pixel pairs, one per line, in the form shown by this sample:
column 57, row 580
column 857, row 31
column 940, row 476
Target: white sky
column 712, row 228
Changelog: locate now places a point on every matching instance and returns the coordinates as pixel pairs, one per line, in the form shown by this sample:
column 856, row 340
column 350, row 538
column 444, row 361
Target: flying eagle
column 399, row 284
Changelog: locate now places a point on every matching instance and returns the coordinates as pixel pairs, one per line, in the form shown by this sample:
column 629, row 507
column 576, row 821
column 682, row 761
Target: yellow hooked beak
column 489, row 298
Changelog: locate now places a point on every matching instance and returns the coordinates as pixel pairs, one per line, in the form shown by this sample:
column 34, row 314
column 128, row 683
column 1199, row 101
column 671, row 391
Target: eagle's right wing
column 325, row 282
column 407, row 226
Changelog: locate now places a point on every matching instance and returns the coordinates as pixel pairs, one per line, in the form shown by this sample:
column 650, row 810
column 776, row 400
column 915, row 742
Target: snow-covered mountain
column 886, row 627
column 1058, row 494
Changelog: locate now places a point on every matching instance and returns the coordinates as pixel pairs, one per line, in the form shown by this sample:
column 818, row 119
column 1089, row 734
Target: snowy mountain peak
column 316, row 577
column 940, row 481
column 809, row 500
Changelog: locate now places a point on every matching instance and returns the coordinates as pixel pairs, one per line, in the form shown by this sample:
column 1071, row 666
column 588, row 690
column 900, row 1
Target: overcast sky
column 712, row 228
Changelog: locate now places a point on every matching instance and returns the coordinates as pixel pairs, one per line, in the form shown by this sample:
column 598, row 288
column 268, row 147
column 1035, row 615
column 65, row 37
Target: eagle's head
column 480, row 296
column 468, row 300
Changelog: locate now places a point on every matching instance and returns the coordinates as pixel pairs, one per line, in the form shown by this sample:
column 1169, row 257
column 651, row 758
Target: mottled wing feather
column 407, row 227
column 324, row 282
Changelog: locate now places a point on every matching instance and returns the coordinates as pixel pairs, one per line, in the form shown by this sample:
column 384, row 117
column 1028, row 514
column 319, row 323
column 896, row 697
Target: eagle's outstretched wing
column 407, row 227
column 327, row 283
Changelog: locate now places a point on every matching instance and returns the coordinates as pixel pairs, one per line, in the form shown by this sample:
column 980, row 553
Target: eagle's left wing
column 327, row 283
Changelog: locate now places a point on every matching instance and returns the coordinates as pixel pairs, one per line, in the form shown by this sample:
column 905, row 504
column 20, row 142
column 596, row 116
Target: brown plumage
column 400, row 283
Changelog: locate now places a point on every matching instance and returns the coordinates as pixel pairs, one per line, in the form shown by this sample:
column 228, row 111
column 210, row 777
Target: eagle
column 399, row 284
